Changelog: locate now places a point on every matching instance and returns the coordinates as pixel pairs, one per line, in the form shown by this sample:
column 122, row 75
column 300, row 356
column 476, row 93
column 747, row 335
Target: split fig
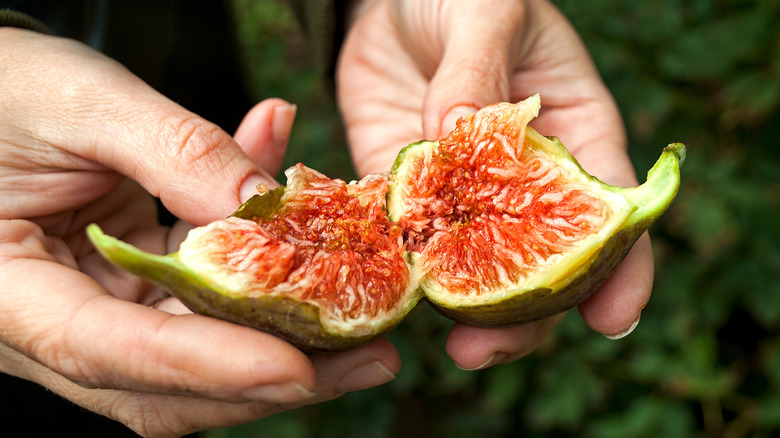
column 495, row 225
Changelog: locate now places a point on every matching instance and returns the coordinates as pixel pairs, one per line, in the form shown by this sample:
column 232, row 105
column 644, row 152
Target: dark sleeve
column 13, row 18
column 323, row 22
column 82, row 20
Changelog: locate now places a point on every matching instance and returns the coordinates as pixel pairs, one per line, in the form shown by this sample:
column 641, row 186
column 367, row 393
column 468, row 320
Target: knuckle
column 196, row 145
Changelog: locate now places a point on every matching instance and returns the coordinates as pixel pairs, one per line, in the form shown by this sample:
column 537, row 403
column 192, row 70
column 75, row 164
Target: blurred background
column 705, row 359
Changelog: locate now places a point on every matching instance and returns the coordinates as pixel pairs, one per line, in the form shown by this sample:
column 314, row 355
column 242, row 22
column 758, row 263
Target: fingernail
column 254, row 184
column 281, row 126
column 171, row 305
column 288, row 392
column 456, row 112
column 625, row 333
column 363, row 377
column 492, row 360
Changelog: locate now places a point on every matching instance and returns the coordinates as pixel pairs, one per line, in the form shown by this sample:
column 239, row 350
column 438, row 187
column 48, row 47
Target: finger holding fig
column 155, row 414
column 475, row 348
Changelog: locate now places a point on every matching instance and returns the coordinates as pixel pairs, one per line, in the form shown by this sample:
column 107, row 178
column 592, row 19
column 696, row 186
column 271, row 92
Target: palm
column 380, row 93
column 384, row 80
column 129, row 213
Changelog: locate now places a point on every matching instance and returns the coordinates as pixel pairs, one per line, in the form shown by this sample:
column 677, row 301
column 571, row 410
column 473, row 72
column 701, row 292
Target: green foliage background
column 705, row 359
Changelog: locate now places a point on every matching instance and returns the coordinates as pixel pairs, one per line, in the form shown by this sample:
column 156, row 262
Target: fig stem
column 663, row 180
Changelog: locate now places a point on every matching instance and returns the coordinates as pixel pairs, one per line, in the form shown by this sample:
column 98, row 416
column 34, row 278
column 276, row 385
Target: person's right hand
column 409, row 69
column 83, row 140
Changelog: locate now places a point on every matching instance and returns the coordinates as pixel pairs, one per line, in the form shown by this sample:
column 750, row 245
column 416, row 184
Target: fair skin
column 409, row 69
column 85, row 330
column 83, row 140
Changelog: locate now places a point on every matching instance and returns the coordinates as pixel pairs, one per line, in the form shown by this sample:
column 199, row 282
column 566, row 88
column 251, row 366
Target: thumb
column 474, row 69
column 72, row 99
column 198, row 171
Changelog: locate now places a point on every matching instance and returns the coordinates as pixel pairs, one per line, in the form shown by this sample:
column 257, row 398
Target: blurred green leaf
column 647, row 417
column 503, row 387
column 564, row 391
column 708, row 50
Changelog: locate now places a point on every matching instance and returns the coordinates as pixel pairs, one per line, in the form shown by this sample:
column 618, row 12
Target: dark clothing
column 184, row 49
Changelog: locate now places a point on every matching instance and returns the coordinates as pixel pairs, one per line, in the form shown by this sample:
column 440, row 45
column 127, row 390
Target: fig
column 315, row 262
column 504, row 227
column 494, row 225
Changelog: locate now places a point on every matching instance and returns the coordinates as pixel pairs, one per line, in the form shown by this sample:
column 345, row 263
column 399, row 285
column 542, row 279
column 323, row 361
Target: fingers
column 98, row 341
column 476, row 63
column 337, row 373
column 162, row 374
column 474, row 348
column 264, row 132
column 152, row 414
column 615, row 309
column 368, row 366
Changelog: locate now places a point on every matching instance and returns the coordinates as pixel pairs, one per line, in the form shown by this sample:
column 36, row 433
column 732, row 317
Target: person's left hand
column 83, row 140
column 409, row 69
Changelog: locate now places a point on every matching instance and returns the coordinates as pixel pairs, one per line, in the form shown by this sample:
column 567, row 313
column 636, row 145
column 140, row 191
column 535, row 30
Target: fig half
column 503, row 225
column 315, row 262
column 495, row 225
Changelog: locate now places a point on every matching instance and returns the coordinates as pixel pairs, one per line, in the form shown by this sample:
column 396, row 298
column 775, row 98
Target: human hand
column 409, row 69
column 83, row 140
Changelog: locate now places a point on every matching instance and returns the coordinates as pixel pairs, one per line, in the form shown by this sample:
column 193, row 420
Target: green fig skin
column 294, row 321
column 652, row 199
